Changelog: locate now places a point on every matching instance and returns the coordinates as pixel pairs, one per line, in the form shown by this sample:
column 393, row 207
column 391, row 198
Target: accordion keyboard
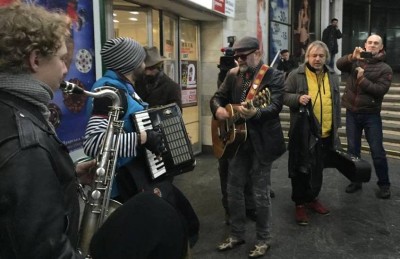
column 178, row 157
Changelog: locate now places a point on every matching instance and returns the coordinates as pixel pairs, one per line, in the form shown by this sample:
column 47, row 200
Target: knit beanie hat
column 122, row 54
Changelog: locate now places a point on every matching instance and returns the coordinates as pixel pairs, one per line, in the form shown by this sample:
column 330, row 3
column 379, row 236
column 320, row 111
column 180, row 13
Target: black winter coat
column 365, row 94
column 330, row 36
column 265, row 132
column 165, row 91
column 39, row 207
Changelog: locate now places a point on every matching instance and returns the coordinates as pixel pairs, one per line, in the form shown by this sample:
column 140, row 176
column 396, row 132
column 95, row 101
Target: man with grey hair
column 368, row 82
column 264, row 143
column 312, row 94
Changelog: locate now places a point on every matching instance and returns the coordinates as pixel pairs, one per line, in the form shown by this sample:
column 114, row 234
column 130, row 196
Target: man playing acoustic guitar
column 251, row 82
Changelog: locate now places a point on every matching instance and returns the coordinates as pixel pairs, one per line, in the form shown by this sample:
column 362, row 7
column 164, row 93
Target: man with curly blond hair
column 39, row 213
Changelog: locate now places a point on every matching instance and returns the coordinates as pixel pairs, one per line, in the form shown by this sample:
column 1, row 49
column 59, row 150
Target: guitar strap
column 256, row 82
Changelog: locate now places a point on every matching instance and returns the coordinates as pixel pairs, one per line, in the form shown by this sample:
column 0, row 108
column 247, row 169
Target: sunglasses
column 243, row 56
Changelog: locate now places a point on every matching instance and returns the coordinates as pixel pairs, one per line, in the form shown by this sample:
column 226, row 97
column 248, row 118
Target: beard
column 138, row 72
column 243, row 68
column 149, row 79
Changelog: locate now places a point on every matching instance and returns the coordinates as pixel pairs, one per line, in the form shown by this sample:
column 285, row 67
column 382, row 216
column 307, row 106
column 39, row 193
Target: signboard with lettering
column 226, row 7
column 188, row 50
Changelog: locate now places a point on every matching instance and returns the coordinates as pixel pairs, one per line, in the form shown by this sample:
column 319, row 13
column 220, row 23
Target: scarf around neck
column 29, row 89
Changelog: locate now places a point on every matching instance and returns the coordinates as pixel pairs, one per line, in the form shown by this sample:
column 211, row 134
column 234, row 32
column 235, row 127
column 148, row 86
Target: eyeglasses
column 243, row 56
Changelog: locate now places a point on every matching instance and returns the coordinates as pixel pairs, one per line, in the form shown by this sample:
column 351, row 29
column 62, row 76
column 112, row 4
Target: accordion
column 178, row 158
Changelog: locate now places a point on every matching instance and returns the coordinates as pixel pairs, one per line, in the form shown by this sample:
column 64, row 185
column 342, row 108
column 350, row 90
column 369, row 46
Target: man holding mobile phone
column 369, row 80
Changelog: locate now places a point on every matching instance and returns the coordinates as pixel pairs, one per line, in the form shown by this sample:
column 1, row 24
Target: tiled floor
column 359, row 225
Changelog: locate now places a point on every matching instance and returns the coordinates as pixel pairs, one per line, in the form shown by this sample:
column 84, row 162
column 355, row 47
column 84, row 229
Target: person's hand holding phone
column 357, row 53
column 366, row 55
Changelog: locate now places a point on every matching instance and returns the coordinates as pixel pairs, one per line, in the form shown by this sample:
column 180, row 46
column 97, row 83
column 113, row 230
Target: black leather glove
column 154, row 142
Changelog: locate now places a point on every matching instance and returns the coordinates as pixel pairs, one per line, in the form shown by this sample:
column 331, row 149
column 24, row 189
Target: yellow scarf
column 320, row 92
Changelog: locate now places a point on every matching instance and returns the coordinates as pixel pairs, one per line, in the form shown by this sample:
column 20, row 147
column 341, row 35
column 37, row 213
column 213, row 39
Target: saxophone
column 98, row 204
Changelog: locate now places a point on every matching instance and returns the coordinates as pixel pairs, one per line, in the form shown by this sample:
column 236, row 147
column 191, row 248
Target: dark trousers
column 223, row 166
column 371, row 123
column 332, row 61
column 307, row 186
column 243, row 166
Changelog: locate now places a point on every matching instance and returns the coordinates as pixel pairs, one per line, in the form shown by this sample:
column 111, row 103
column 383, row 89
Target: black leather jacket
column 265, row 131
column 39, row 207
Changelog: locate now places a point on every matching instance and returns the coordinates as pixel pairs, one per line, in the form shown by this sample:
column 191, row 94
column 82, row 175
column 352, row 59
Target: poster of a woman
column 302, row 30
column 262, row 26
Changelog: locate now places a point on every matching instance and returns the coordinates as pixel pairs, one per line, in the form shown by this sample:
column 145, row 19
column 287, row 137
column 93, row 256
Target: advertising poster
column 189, row 82
column 262, row 26
column 188, row 50
column 279, row 27
column 68, row 112
column 169, row 49
column 304, row 32
column 279, row 34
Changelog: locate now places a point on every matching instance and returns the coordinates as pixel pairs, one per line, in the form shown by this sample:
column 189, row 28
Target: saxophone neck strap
column 256, row 82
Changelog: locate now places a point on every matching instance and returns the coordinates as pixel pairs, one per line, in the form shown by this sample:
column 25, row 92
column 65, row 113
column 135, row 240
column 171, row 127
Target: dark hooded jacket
column 365, row 94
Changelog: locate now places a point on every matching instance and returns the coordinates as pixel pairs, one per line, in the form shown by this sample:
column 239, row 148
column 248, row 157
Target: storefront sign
column 219, row 6
column 230, row 8
column 226, row 7
column 188, row 50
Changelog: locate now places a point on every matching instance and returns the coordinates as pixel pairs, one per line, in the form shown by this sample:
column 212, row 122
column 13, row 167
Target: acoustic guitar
column 227, row 135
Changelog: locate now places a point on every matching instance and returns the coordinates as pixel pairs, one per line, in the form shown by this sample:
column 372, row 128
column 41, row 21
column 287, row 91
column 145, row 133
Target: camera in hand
column 366, row 55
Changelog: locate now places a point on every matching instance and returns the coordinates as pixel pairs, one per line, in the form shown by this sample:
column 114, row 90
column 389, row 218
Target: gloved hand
column 154, row 142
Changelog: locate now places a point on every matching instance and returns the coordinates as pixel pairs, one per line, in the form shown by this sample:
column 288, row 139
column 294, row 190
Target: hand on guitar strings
column 222, row 113
column 247, row 110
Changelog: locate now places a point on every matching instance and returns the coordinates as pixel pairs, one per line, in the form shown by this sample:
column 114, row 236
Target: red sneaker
column 301, row 215
column 316, row 206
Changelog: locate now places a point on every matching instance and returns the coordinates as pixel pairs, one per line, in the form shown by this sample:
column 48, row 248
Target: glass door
column 189, row 79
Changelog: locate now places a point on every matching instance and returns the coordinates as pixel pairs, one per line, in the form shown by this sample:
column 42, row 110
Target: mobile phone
column 366, row 54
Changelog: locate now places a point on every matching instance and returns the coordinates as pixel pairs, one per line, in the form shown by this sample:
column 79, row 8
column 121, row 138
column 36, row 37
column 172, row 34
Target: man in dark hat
column 257, row 92
column 154, row 86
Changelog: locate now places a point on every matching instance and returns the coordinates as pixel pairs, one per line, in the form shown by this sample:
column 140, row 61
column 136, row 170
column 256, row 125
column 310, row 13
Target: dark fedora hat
column 152, row 56
column 246, row 43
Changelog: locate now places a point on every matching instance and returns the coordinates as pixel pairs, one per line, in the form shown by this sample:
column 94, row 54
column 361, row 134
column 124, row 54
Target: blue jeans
column 332, row 61
column 371, row 123
column 246, row 163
